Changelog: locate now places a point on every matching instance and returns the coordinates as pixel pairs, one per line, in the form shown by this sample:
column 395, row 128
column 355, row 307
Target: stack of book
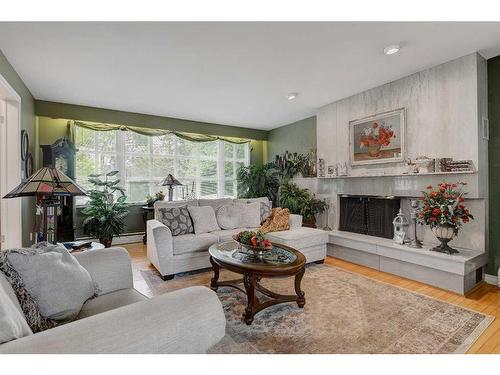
column 450, row 165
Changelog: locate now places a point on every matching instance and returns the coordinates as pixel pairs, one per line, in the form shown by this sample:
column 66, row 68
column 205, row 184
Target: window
column 145, row 161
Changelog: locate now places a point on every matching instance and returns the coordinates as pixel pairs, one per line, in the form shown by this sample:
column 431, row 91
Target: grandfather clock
column 61, row 155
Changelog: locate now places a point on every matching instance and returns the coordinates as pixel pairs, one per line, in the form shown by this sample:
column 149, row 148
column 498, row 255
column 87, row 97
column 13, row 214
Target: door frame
column 10, row 166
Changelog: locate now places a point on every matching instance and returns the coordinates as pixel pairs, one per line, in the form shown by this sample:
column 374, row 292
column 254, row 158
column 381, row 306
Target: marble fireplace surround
column 472, row 236
column 456, row 273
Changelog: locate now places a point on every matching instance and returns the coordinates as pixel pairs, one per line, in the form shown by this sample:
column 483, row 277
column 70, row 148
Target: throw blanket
column 279, row 220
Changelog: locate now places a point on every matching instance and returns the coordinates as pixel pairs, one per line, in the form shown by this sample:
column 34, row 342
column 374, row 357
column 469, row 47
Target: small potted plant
column 443, row 210
column 151, row 199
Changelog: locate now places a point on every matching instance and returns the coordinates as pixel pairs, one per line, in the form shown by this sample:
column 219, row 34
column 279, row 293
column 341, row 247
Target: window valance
column 158, row 132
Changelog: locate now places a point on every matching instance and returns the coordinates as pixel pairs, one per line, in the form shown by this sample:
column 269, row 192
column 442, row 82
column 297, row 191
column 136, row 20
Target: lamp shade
column 47, row 181
column 171, row 181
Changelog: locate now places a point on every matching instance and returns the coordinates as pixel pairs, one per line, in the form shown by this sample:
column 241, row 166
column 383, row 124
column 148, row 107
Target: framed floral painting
column 378, row 139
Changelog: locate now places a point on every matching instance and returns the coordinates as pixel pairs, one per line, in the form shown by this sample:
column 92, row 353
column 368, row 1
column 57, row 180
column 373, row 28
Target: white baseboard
column 490, row 279
column 130, row 238
column 127, row 239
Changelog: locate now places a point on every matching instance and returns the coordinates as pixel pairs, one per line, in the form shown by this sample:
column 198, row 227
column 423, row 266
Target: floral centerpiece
column 375, row 136
column 253, row 240
column 443, row 210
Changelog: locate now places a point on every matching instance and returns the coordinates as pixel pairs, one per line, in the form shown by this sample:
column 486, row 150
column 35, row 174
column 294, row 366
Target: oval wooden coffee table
column 281, row 261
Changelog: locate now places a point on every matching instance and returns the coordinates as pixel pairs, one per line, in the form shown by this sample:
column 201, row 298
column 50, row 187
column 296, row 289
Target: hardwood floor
column 485, row 299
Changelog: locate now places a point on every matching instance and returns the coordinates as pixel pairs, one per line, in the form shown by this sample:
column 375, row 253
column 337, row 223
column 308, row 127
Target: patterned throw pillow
column 177, row 219
column 265, row 210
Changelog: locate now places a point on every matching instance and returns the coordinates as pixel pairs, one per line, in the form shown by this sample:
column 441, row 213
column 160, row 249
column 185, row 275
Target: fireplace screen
column 367, row 215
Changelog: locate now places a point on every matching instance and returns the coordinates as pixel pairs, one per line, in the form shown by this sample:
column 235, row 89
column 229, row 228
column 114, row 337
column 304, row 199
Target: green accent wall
column 51, row 129
column 297, row 137
column 28, row 124
column 83, row 113
column 494, row 164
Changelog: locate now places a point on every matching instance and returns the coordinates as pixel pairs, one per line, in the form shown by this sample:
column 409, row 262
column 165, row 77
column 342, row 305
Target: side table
column 146, row 210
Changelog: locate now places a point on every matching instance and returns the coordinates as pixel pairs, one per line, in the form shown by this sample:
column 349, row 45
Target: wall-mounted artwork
column 378, row 139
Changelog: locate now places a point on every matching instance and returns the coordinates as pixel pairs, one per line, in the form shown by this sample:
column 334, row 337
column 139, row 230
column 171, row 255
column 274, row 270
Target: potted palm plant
column 105, row 212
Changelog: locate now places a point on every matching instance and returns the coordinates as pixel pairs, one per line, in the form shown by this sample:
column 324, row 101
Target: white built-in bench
column 458, row 272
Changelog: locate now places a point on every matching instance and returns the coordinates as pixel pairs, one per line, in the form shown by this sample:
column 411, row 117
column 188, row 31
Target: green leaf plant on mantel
column 300, row 201
column 104, row 212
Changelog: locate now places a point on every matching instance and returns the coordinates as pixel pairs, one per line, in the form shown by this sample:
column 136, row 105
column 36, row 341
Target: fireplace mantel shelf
column 400, row 175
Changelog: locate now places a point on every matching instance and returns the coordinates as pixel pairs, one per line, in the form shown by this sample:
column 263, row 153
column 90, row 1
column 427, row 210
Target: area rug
column 344, row 313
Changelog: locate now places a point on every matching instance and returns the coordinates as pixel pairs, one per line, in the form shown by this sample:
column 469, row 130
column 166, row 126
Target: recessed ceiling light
column 292, row 95
column 392, row 49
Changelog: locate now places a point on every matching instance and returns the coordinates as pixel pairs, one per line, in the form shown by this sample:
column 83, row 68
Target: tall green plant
column 258, row 181
column 105, row 214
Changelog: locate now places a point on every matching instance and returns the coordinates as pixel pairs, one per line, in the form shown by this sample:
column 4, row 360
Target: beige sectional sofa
column 174, row 254
column 121, row 320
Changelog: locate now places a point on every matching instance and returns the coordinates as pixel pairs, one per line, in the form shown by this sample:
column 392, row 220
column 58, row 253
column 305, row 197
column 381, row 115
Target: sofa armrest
column 189, row 320
column 160, row 247
column 295, row 221
column 110, row 268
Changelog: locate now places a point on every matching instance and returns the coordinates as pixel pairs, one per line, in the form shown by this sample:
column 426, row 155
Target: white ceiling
column 229, row 73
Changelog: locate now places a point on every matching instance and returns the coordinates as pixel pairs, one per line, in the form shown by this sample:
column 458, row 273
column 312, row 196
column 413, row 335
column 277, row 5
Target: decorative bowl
column 258, row 249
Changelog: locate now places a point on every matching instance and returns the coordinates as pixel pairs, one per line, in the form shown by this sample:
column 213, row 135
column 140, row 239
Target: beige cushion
column 249, row 214
column 251, row 200
column 228, row 216
column 190, row 243
column 227, row 235
column 204, row 220
column 54, row 278
column 214, row 203
column 110, row 301
column 12, row 322
column 299, row 238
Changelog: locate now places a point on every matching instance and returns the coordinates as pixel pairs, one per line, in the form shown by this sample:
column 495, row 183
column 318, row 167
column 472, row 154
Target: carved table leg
column 213, row 283
column 249, row 282
column 301, row 300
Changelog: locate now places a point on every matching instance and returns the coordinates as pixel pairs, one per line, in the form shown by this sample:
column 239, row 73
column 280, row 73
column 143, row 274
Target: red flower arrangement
column 443, row 206
column 376, row 135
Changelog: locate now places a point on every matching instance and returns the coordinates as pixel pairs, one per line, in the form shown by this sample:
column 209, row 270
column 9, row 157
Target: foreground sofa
column 121, row 320
column 174, row 254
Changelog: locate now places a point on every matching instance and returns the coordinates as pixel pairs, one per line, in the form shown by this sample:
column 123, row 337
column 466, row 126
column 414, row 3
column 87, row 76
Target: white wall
column 441, row 108
column 444, row 107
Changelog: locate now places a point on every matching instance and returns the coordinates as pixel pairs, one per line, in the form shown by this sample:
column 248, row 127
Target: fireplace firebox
column 368, row 215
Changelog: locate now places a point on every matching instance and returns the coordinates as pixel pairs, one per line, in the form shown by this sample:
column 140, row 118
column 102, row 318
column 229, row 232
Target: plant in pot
column 105, row 212
column 256, row 181
column 300, row 201
column 443, row 210
column 151, row 199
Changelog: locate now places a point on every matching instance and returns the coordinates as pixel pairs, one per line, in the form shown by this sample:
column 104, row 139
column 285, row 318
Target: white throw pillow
column 204, row 220
column 13, row 325
column 249, row 214
column 228, row 216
